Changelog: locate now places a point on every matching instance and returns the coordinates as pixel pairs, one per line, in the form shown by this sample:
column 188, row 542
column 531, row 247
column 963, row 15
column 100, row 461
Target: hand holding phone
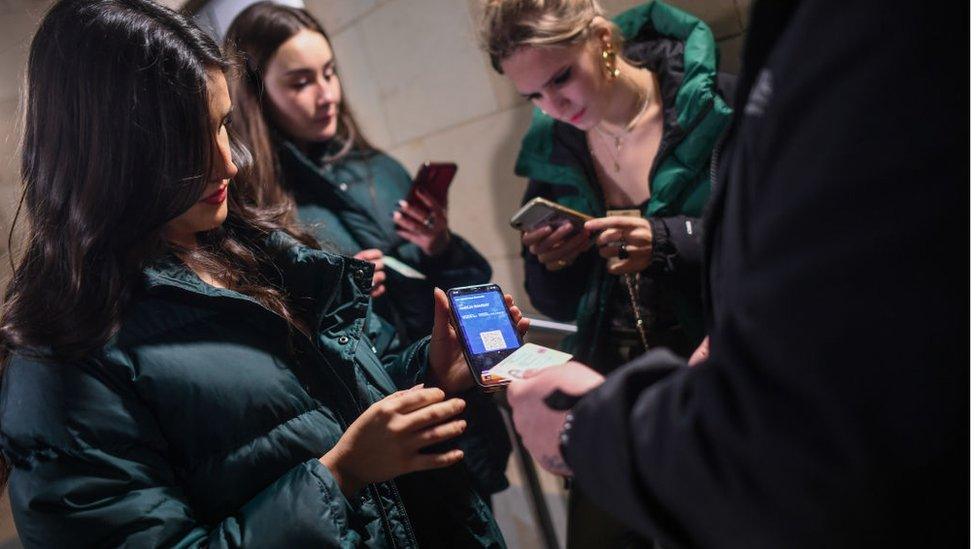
column 433, row 178
column 422, row 217
column 556, row 248
column 449, row 368
column 488, row 327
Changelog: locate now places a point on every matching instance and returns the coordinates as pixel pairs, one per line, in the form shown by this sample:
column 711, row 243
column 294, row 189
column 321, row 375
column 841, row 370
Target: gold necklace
column 618, row 139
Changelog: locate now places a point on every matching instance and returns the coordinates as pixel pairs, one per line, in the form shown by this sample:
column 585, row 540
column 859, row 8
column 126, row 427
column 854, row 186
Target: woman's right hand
column 375, row 257
column 385, row 441
column 556, row 248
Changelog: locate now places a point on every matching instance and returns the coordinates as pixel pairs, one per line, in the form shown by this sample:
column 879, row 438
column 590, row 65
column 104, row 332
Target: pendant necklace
column 618, row 139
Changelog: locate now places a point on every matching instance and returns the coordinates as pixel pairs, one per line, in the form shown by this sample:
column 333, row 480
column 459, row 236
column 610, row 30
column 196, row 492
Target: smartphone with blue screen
column 487, row 332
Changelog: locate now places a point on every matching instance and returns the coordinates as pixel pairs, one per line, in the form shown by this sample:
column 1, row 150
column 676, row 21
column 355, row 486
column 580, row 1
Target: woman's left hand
column 626, row 240
column 448, row 369
column 425, row 226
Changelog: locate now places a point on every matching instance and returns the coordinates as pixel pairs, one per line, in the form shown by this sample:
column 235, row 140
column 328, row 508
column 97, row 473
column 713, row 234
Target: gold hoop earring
column 610, row 61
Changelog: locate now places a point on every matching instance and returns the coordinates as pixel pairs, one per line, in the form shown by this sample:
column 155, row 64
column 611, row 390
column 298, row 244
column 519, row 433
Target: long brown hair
column 252, row 40
column 118, row 141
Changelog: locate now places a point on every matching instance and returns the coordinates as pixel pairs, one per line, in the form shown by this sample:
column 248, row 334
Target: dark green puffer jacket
column 198, row 426
column 348, row 205
column 344, row 211
column 681, row 51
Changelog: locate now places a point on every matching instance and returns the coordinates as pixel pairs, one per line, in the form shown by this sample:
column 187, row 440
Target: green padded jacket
column 201, row 422
column 554, row 156
column 348, row 206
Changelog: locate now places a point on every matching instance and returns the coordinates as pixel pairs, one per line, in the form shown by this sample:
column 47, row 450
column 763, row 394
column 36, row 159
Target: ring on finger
column 429, row 221
column 622, row 252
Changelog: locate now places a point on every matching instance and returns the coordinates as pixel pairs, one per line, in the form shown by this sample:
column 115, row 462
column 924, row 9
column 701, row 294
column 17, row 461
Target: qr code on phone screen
column 493, row 340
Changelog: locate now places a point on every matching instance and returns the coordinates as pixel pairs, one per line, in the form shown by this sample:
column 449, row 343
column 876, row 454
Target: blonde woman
column 627, row 116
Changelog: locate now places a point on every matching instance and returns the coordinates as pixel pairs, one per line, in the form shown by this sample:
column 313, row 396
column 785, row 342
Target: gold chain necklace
column 618, row 139
column 632, row 281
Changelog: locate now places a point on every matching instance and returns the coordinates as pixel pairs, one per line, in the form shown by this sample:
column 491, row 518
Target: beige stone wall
column 18, row 20
column 413, row 73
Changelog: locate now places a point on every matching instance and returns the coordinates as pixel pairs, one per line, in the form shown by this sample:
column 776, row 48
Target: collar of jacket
column 694, row 113
column 331, row 283
column 309, row 182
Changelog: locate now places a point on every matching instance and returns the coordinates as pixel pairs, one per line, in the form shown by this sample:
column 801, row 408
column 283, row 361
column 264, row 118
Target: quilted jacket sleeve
column 91, row 469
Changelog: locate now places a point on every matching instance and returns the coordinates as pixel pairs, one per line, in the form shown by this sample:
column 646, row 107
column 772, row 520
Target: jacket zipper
column 374, row 492
column 398, row 501
column 373, row 488
column 403, row 510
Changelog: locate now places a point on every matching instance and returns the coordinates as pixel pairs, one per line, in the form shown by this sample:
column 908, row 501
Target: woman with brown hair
column 311, row 158
column 310, row 154
column 180, row 367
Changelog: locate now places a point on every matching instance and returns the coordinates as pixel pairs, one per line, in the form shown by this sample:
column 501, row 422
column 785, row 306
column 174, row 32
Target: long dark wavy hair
column 252, row 40
column 118, row 141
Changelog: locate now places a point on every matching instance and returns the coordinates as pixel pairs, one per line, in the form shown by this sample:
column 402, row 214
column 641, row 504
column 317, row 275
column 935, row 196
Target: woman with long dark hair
column 311, row 158
column 310, row 152
column 182, row 368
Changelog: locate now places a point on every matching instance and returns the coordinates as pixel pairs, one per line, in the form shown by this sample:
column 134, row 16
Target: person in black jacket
column 831, row 409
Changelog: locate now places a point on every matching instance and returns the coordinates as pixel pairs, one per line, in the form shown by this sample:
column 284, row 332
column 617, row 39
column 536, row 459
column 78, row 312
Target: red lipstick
column 578, row 116
column 217, row 197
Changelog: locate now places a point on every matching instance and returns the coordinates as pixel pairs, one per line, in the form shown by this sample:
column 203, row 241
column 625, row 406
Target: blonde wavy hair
column 507, row 25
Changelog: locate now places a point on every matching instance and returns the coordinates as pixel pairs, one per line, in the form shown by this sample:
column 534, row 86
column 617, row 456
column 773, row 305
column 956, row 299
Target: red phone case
column 434, row 178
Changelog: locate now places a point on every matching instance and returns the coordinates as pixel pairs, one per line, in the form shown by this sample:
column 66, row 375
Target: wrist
column 348, row 483
column 440, row 244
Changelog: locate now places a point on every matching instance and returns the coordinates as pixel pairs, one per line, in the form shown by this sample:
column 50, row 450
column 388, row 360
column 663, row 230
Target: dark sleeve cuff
column 602, row 414
column 676, row 243
column 663, row 254
column 602, row 447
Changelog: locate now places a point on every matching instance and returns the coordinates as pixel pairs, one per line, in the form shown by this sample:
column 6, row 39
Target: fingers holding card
column 528, row 358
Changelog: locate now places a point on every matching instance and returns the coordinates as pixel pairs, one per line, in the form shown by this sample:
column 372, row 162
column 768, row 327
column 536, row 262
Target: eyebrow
column 329, row 63
column 533, row 95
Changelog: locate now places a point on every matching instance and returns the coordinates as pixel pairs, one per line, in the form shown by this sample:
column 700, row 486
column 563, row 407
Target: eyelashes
column 562, row 77
column 558, row 80
column 328, row 73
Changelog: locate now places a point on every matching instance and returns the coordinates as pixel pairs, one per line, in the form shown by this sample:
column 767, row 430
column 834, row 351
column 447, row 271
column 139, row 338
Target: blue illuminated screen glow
column 485, row 323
